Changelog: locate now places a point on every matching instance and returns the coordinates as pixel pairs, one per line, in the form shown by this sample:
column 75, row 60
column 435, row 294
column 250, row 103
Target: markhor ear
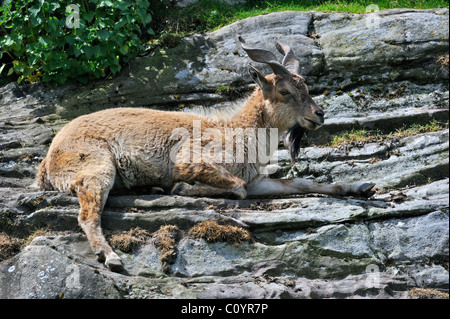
column 260, row 79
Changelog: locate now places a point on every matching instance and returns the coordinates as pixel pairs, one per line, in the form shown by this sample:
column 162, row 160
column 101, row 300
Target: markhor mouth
column 315, row 123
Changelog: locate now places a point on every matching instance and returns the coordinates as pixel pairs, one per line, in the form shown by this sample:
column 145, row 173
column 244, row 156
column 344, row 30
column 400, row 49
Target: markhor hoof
column 366, row 190
column 179, row 188
column 114, row 264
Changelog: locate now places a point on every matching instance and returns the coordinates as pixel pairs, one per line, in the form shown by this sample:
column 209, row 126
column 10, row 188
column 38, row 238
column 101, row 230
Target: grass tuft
column 364, row 136
column 352, row 136
column 9, row 246
column 213, row 232
column 443, row 61
column 130, row 240
column 165, row 240
column 422, row 293
column 415, row 129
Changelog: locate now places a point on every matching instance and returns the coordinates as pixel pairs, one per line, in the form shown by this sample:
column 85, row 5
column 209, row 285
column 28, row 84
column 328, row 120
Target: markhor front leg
column 92, row 190
column 263, row 186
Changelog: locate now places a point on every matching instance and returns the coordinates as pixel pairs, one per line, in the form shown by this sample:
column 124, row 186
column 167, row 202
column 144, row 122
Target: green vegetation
column 41, row 42
column 363, row 135
column 414, row 129
column 37, row 45
column 213, row 14
column 353, row 136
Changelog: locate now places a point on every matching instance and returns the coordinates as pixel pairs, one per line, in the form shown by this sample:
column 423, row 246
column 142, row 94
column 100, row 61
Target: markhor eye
column 284, row 93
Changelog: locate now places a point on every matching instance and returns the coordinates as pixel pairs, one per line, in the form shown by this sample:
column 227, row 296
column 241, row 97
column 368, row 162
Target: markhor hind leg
column 92, row 188
column 206, row 179
column 204, row 190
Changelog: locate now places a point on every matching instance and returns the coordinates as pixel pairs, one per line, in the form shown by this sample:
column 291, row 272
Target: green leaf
column 35, row 16
column 89, row 51
column 59, row 78
column 124, row 49
column 145, row 18
column 19, row 66
column 53, row 65
column 105, row 4
column 85, row 66
column 103, row 35
column 27, row 71
column 97, row 51
column 54, row 6
column 7, row 41
column 1, row 68
column 69, row 40
column 34, row 11
column 53, row 22
column 115, row 68
column 121, row 5
column 88, row 16
column 120, row 23
column 34, row 59
column 10, row 71
column 62, row 23
column 35, row 21
column 45, row 41
column 47, row 77
column 143, row 4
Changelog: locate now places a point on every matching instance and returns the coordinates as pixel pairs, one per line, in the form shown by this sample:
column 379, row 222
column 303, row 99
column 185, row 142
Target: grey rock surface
column 306, row 246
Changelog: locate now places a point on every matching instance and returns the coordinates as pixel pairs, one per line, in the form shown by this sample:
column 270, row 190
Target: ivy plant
column 44, row 41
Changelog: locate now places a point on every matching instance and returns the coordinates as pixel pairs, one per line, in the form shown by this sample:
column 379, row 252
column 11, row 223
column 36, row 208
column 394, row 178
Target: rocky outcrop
column 379, row 74
column 303, row 247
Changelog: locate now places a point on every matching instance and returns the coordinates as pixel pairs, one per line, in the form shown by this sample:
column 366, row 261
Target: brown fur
column 129, row 147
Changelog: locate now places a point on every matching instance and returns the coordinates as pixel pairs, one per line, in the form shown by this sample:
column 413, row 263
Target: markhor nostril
column 320, row 113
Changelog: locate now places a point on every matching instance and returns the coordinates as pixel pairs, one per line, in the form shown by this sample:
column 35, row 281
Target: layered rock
column 379, row 75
